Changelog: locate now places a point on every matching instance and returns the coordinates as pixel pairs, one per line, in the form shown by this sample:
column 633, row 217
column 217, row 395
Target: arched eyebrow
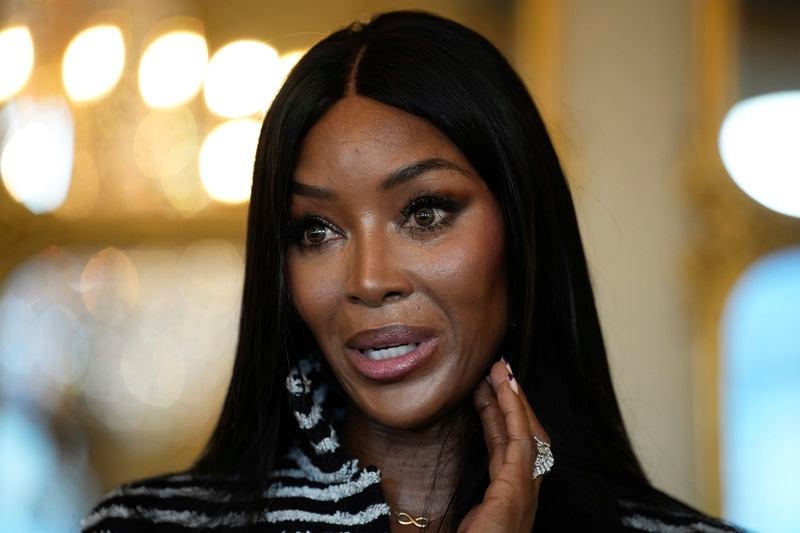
column 397, row 177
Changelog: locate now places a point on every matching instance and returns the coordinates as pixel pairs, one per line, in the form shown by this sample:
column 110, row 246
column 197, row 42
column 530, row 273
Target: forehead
column 361, row 137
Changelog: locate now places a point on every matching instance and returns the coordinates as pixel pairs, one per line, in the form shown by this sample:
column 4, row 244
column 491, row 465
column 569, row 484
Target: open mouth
column 389, row 351
column 388, row 362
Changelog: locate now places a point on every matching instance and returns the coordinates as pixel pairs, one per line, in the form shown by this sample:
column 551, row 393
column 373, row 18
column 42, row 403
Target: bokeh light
column 759, row 143
column 36, row 159
column 242, row 79
column 42, row 486
column 166, row 148
column 59, row 345
column 226, row 160
column 110, row 286
column 760, row 385
column 165, row 143
column 287, row 62
column 121, row 183
column 16, row 60
column 160, row 368
column 93, row 63
column 107, row 397
column 184, row 191
column 172, row 69
column 153, row 368
column 40, row 351
column 84, row 188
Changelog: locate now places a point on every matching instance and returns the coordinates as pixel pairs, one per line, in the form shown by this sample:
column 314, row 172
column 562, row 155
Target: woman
column 409, row 225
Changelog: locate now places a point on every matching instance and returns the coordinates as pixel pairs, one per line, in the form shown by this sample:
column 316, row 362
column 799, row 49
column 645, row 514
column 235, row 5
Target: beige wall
column 621, row 112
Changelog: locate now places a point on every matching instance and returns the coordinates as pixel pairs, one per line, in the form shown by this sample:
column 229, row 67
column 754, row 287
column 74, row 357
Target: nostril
column 377, row 289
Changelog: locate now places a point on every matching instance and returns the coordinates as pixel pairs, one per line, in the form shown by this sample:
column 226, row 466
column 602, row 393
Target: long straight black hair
column 454, row 78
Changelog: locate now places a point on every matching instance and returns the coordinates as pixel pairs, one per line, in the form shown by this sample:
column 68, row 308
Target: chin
column 404, row 409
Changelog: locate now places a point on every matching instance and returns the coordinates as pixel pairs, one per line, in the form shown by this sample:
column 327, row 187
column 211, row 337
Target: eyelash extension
column 434, row 202
column 294, row 229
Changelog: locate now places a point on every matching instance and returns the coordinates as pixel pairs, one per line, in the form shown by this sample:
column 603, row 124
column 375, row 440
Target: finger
column 519, row 451
column 535, row 429
column 533, row 421
column 494, row 425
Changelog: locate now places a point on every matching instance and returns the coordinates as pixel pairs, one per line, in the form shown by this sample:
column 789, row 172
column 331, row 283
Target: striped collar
column 318, row 459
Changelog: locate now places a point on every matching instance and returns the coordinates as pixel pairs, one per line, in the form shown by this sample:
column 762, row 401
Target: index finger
column 520, row 449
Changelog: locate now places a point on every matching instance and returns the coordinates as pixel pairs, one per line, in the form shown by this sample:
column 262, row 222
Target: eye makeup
column 444, row 208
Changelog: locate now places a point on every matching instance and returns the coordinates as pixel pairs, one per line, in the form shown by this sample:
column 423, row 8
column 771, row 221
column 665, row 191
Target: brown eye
column 316, row 234
column 424, row 216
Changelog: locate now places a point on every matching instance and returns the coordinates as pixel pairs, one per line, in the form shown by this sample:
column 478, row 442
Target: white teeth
column 386, row 353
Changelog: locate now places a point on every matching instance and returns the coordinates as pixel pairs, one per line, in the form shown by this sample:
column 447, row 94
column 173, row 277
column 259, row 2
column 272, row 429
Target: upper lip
column 393, row 335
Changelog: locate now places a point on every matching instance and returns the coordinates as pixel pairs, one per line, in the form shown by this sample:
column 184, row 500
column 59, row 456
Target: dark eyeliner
column 433, row 201
column 294, row 229
column 428, row 200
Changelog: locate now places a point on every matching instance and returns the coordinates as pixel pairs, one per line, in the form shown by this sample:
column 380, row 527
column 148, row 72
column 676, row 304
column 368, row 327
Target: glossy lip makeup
column 387, row 354
column 393, row 368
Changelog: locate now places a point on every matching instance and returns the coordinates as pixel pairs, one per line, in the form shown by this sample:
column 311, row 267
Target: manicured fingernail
column 508, row 366
column 513, row 383
column 488, row 379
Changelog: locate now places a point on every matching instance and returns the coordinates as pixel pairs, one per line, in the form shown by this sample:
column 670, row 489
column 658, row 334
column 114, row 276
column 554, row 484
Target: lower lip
column 393, row 368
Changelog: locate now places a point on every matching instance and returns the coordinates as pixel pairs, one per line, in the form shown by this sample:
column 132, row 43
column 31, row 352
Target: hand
column 510, row 502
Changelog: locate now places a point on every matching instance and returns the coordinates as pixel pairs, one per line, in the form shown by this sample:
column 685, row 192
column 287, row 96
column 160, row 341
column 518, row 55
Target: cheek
column 467, row 273
column 313, row 286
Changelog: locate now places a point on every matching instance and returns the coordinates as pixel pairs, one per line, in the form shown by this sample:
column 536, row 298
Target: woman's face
column 394, row 229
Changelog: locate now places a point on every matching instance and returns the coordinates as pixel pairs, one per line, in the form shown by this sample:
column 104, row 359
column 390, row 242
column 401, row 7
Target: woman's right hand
column 509, row 424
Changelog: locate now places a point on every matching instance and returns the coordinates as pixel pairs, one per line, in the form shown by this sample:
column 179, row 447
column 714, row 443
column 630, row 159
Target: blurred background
column 127, row 135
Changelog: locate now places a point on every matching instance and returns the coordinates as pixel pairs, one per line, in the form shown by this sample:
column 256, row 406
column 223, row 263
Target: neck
column 418, row 467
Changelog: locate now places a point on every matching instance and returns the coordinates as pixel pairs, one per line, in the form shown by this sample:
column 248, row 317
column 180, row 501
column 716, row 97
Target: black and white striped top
column 314, row 487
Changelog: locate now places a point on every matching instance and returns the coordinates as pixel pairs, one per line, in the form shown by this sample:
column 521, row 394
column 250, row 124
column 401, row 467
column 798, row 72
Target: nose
column 376, row 271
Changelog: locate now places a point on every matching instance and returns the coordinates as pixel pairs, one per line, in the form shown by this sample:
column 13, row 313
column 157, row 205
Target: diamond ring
column 544, row 458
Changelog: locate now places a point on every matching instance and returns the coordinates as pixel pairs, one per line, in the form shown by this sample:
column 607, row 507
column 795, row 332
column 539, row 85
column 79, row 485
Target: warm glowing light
column 242, row 79
column 206, row 267
column 165, row 143
column 166, row 149
column 93, row 63
column 84, row 188
column 184, row 192
column 172, row 69
column 36, row 161
column 759, row 143
column 226, row 160
column 287, row 62
column 16, row 60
